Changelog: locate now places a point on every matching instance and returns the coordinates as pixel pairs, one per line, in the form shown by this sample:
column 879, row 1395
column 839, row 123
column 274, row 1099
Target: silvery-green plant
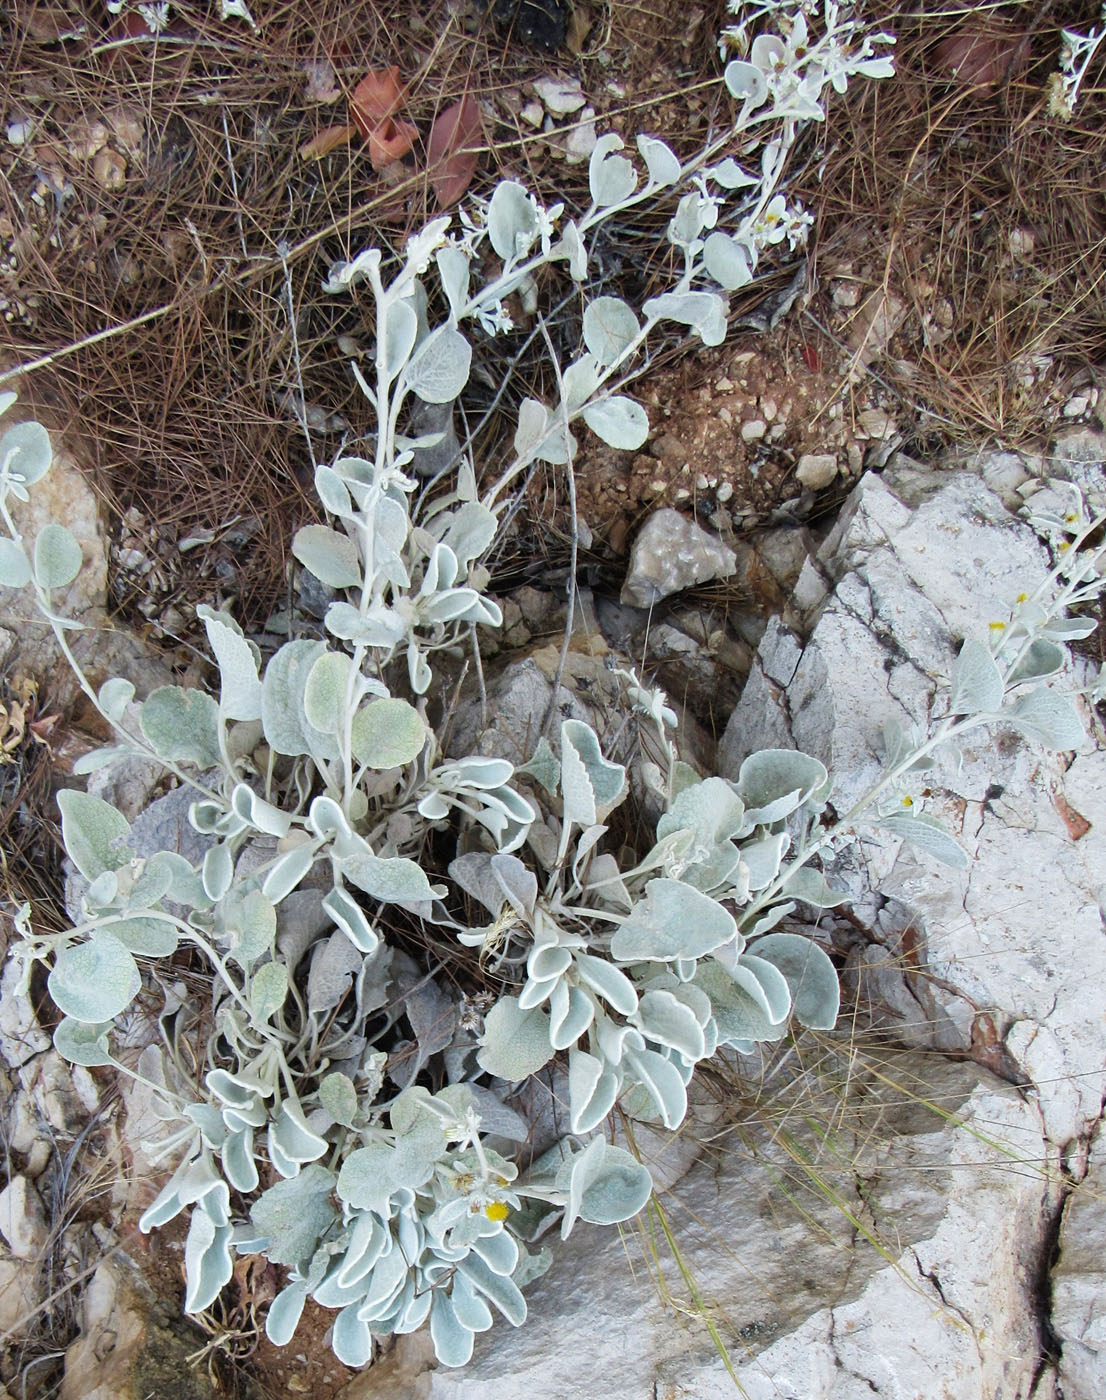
column 345, row 1102
column 1077, row 53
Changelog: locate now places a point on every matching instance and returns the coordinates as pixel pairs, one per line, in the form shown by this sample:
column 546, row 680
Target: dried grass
column 973, row 205
column 190, row 405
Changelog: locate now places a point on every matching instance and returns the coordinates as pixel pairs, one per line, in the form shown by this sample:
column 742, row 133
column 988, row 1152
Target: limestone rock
column 22, row 1223
column 21, row 1292
column 672, row 553
column 1007, row 958
column 817, row 470
column 804, row 1305
column 21, row 1037
column 1079, row 1283
column 128, row 1350
column 65, row 495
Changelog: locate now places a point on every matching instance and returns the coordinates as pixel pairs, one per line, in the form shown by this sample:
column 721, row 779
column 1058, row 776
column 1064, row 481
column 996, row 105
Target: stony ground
column 926, row 1235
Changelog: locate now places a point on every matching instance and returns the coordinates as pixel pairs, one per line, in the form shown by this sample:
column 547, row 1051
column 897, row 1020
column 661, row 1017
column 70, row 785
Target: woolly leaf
column 741, row 1008
column 664, row 1019
column 150, row 938
column 728, row 261
column 618, row 1190
column 58, row 557
column 590, row 783
column 1048, row 717
column 929, row 835
column 331, row 556
column 387, row 734
column 976, row 681
column 240, row 692
column 94, row 833
column 401, row 329
column 811, row 976
column 611, row 178
column 268, row 989
column 325, row 692
column 284, row 1314
column 1041, row 659
column 775, row 782
column 395, row 880
column 15, row 567
column 661, row 162
column 512, row 220
column 746, row 82
column 610, row 325
column 96, row 981
column 83, row 1043
column 207, row 1260
column 282, row 711
column 619, row 421
column 439, row 368
column 28, row 446
column 338, row 1096
column 515, row 1043
column 294, row 1213
column 182, row 726
column 704, row 312
column 673, row 921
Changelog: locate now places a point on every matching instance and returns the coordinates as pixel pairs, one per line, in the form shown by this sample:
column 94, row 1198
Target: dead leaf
column 50, row 24
column 978, row 55
column 390, row 140
column 453, row 150
column 579, row 27
column 1076, row 823
column 376, row 97
column 109, row 170
column 327, row 141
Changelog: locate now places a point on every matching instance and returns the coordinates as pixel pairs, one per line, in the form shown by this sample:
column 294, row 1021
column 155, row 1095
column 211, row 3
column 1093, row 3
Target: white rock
column 582, row 139
column 532, row 114
column 1012, row 945
column 1076, row 406
column 125, row 1351
column 845, row 294
column 753, row 429
column 672, row 553
column 1078, row 1314
column 817, row 470
column 806, row 1309
column 559, row 95
column 21, row 1037
column 21, row 1293
column 65, row 495
column 21, row 1220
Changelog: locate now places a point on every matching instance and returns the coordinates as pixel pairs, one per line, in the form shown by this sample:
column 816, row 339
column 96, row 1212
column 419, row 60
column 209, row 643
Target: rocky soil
column 909, row 1207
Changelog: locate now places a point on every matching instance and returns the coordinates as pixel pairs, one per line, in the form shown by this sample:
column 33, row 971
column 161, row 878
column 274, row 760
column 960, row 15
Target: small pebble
column 816, row 470
column 725, row 491
column 1076, row 406
column 753, row 429
column 846, row 295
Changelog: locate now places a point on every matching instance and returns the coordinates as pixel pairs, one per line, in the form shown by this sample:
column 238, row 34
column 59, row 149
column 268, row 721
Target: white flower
column 708, row 204
column 422, row 246
column 156, row 16
column 547, row 222
column 494, row 320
